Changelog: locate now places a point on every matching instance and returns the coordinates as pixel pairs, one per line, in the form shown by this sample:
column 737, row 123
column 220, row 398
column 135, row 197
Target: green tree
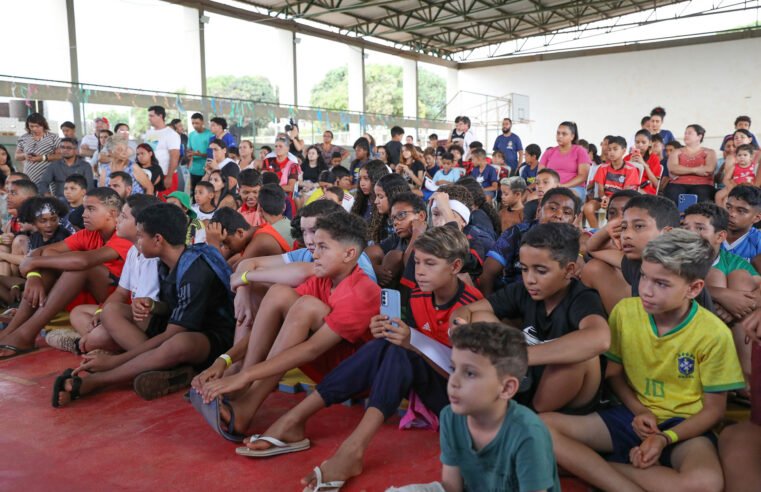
column 432, row 94
column 332, row 92
column 384, row 91
column 255, row 88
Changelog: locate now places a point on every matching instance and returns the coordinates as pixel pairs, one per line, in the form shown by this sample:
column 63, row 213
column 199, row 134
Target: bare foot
column 240, row 426
column 340, row 467
column 64, row 397
column 284, row 429
column 14, row 342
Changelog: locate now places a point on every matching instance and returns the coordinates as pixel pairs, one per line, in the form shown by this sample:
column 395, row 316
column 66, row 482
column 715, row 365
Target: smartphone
column 391, row 304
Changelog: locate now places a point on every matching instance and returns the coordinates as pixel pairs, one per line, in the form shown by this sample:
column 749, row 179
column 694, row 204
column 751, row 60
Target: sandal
column 60, row 383
column 334, row 485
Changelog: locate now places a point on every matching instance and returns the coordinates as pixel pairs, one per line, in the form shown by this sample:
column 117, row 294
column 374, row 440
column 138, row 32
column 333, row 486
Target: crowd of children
column 540, row 322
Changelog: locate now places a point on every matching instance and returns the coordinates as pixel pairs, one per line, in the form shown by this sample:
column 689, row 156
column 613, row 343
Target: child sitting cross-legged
column 389, row 366
column 101, row 326
column 313, row 327
column 563, row 321
column 488, row 440
column 45, row 214
column 732, row 281
column 14, row 239
column 191, row 324
column 89, row 261
column 671, row 364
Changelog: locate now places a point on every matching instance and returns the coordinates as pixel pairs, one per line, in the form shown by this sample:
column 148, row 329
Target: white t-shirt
column 348, row 201
column 162, row 141
column 140, row 275
column 92, row 143
column 202, row 215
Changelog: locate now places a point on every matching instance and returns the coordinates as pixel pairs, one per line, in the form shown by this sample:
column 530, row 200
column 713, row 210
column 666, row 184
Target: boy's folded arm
column 492, row 269
column 756, row 262
column 260, row 262
column 614, row 374
column 714, row 406
column 466, row 312
column 316, row 345
column 612, row 257
column 451, row 479
column 598, row 240
column 76, row 260
column 590, row 340
column 292, row 274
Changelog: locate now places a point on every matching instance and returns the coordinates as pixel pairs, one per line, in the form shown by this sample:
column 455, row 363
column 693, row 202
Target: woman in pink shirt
column 568, row 159
column 691, row 168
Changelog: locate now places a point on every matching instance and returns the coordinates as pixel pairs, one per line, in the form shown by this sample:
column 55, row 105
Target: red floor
column 116, row 441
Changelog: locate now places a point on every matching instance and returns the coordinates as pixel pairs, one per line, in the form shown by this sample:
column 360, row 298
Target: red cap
column 103, row 119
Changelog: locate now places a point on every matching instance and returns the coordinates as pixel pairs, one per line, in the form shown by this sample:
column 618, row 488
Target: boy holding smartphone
column 389, row 365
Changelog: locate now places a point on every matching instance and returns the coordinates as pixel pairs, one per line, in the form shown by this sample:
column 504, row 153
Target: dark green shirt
column 519, row 458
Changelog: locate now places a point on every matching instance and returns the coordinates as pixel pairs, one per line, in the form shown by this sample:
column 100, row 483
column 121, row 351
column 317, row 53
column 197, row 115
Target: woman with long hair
column 148, row 162
column 569, row 159
column 385, row 191
column 246, row 149
column 222, row 195
column 313, row 165
column 6, row 164
column 369, row 174
column 411, row 165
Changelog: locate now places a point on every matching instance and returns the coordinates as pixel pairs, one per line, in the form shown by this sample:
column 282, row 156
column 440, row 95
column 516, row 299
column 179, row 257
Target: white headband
column 460, row 208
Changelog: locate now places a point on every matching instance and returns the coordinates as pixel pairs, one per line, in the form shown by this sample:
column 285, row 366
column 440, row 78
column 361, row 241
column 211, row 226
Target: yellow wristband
column 33, row 274
column 673, row 437
column 243, row 278
column 228, row 360
column 99, row 310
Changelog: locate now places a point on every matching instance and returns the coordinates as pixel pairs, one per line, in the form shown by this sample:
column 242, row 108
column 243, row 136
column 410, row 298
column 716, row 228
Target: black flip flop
column 60, row 382
column 17, row 351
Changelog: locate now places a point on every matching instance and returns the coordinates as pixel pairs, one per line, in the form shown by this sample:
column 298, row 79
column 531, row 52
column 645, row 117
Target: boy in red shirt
column 389, row 366
column 249, row 185
column 313, row 327
column 610, row 178
column 90, row 260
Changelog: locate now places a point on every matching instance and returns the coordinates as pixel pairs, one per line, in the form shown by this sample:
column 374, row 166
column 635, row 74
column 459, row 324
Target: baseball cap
column 516, row 183
column 184, row 200
column 103, row 119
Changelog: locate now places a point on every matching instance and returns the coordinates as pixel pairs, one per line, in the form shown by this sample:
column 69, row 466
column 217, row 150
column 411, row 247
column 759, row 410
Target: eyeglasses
column 401, row 215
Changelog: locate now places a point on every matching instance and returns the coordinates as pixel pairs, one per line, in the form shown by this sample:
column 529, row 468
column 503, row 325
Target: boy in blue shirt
column 446, row 175
column 744, row 208
column 484, row 173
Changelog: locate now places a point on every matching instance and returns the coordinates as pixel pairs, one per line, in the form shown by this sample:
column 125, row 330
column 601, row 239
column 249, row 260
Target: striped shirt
column 44, row 146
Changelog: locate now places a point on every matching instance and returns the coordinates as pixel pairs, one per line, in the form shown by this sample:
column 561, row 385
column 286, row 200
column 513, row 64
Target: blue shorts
column 619, row 420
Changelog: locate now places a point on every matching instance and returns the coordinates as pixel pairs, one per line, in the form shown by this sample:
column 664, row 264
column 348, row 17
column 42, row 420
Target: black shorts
column 619, row 419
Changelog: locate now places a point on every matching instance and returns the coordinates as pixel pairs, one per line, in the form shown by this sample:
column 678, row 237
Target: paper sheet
column 437, row 352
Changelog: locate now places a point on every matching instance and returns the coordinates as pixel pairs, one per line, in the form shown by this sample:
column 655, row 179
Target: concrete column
column 285, row 77
column 409, row 87
column 453, row 100
column 356, row 78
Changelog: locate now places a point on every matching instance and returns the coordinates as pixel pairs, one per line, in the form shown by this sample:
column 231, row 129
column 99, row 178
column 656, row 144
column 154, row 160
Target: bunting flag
column 178, row 104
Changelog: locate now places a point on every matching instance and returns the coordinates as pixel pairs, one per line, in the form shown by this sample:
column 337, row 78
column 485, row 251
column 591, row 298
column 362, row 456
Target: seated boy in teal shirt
column 488, row 441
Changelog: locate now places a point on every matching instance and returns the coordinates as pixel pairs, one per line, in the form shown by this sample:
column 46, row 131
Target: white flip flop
column 334, row 485
column 278, row 447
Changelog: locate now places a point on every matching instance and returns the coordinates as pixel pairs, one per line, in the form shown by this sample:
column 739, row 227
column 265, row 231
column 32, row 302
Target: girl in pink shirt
column 568, row 159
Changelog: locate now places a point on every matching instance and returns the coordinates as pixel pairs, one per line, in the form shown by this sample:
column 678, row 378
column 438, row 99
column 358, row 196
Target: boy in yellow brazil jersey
column 671, row 363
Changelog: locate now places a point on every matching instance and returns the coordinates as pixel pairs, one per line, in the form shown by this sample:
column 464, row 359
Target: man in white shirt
column 165, row 143
column 89, row 144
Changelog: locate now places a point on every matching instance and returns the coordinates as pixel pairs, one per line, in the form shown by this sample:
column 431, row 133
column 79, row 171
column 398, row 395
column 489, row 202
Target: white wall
column 709, row 84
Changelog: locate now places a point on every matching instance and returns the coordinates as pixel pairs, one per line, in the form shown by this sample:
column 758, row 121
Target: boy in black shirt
column 554, row 307
column 645, row 218
column 74, row 190
column 192, row 324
